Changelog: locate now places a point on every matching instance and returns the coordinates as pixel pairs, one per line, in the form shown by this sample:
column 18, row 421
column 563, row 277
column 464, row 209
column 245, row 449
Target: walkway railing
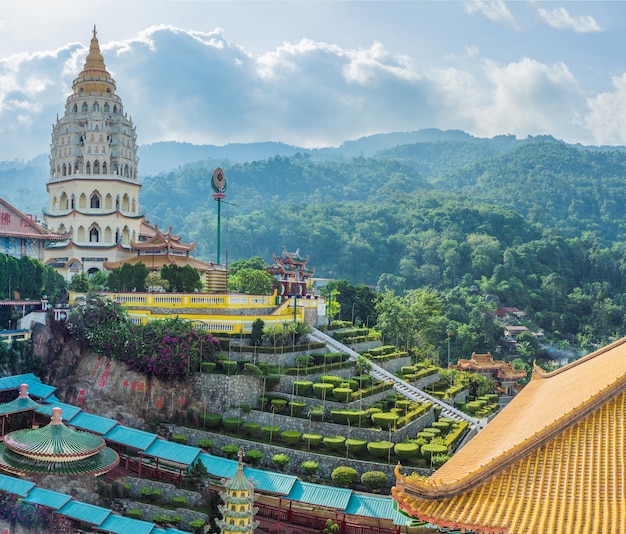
column 402, row 387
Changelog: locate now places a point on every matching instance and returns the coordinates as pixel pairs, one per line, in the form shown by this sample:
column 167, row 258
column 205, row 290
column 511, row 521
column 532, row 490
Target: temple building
column 550, row 461
column 238, row 510
column 94, row 184
column 159, row 249
column 499, row 370
column 291, row 273
column 21, row 235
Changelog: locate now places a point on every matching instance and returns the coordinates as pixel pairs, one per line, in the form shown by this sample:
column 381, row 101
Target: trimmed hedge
column 331, row 379
column 296, row 408
column 407, row 450
column 232, row 424
column 268, row 430
column 375, row 480
column 291, row 437
column 333, row 443
column 344, row 476
column 314, row 440
column 385, row 420
column 302, row 387
column 250, row 428
column 355, row 446
column 211, row 420
column 431, row 449
column 208, row 367
column 229, row 366
column 279, row 405
column 322, row 390
column 342, row 394
column 380, row 449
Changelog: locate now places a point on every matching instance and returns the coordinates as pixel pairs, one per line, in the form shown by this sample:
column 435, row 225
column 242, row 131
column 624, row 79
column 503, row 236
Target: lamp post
column 353, row 305
column 449, row 336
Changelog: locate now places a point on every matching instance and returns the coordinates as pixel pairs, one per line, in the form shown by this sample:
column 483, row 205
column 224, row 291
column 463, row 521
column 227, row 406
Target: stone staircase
column 403, row 388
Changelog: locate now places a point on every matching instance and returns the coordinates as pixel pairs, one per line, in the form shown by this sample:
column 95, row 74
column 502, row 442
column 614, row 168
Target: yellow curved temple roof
column 552, row 461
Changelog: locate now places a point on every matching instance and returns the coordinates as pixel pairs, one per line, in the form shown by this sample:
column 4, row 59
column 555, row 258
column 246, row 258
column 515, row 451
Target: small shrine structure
column 55, row 449
column 238, row 510
column 499, row 370
column 291, row 273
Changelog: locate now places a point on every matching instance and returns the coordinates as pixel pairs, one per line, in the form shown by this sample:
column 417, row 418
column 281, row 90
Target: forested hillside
column 536, row 222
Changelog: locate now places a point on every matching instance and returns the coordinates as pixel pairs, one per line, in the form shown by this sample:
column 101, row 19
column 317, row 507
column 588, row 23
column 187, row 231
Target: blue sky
column 317, row 73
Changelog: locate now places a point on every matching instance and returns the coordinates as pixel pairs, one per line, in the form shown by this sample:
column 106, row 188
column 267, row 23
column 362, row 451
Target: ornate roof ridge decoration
column 161, row 241
column 545, row 408
column 289, row 262
column 22, row 403
column 39, row 231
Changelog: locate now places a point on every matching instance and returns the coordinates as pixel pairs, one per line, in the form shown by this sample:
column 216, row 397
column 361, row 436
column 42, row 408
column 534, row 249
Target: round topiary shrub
column 434, row 431
column 296, row 408
column 425, row 434
column 342, row 394
column 331, row 379
column 230, row 451
column 183, row 439
column 316, row 413
column 356, row 417
column 441, row 425
column 302, row 387
column 279, row 405
column 280, row 461
column 254, row 456
column 211, row 420
column 206, row 444
column 250, row 428
column 374, row 480
column 344, row 476
column 229, row 366
column 270, row 432
column 309, row 467
column 232, row 424
column 385, row 420
column 380, row 449
column 431, row 449
column 363, row 380
column 323, row 390
column 406, row 450
column 403, row 405
column 339, row 417
column 333, row 443
column 252, row 370
column 208, row 367
column 290, row 436
column 355, row 446
column 313, row 440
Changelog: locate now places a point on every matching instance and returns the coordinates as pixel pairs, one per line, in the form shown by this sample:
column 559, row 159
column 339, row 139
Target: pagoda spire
column 95, row 60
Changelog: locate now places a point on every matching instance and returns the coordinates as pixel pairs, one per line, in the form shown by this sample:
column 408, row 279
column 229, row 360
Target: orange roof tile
column 551, row 461
column 14, row 223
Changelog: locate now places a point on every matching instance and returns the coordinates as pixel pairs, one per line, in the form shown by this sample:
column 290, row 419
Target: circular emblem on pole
column 218, row 183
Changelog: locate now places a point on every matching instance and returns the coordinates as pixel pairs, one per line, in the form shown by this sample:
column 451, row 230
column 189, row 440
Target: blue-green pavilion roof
column 35, row 386
column 173, row 452
column 136, row 439
column 87, row 513
column 47, row 498
column 17, row 486
column 374, row 506
column 269, row 481
column 93, row 423
column 69, row 411
column 119, row 524
column 218, row 467
column 335, row 498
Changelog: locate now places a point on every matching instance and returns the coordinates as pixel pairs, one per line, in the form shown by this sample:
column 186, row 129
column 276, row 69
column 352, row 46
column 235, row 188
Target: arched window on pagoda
column 125, row 235
column 108, row 233
column 82, row 201
column 104, row 167
column 94, row 201
column 96, row 167
column 88, row 168
column 81, row 234
column 76, row 168
column 133, row 206
column 125, row 204
column 94, row 235
column 64, row 169
column 55, row 205
column 107, row 108
column 75, row 108
column 96, row 106
column 73, row 202
column 115, row 108
column 85, row 107
column 108, row 202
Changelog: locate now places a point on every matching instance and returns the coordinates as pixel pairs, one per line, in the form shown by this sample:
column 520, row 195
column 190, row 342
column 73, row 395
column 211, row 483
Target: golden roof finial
column 94, row 60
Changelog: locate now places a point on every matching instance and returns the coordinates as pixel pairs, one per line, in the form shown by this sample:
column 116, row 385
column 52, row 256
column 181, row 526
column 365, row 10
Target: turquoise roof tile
column 17, row 486
column 335, row 498
column 173, row 452
column 68, row 411
column 93, row 423
column 136, row 439
column 375, row 506
column 89, row 513
column 269, row 481
column 119, row 524
column 47, row 498
column 218, row 467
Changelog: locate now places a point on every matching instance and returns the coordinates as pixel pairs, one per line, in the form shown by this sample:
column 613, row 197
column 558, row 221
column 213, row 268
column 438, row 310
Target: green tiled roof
column 14, row 485
column 18, row 405
column 136, row 439
column 87, row 513
column 96, row 464
column 34, row 384
column 118, row 524
column 335, row 498
column 93, row 423
column 172, row 452
column 48, row 498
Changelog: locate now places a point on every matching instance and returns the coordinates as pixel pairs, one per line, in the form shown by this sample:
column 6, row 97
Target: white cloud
column 494, row 10
column 606, row 114
column 560, row 18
